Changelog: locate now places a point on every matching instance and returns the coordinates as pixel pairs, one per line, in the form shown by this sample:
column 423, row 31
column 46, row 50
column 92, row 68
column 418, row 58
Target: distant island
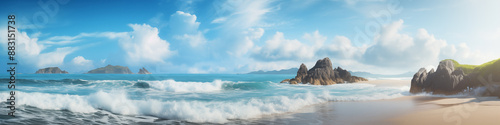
column 372, row 75
column 110, row 69
column 452, row 77
column 51, row 70
column 283, row 71
column 323, row 74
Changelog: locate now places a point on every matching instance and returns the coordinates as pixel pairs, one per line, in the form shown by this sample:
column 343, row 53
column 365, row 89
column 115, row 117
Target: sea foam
column 201, row 111
column 175, row 86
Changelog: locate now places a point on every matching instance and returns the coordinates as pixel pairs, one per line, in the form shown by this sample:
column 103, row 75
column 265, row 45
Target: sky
column 240, row 36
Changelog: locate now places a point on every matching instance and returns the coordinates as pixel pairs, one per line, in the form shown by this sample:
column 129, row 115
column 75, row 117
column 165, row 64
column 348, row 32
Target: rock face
column 141, row 85
column 110, row 69
column 51, row 70
column 143, row 71
column 323, row 74
column 450, row 80
column 446, row 80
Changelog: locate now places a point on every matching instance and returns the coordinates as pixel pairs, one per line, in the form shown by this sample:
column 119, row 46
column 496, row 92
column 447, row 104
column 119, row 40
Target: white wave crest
column 175, row 86
column 117, row 101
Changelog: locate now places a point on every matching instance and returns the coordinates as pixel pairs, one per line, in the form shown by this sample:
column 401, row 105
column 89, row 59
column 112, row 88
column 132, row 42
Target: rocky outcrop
column 143, row 71
column 142, row 85
column 51, row 70
column 110, row 69
column 322, row 74
column 448, row 79
column 301, row 74
column 445, row 80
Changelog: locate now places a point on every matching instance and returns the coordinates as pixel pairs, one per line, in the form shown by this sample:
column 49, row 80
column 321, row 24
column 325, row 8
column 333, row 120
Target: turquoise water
column 170, row 98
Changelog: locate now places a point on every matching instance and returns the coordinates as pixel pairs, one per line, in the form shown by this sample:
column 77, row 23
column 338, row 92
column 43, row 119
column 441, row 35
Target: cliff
column 452, row 77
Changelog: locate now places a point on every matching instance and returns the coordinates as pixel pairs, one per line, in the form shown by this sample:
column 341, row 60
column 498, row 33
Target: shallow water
column 172, row 98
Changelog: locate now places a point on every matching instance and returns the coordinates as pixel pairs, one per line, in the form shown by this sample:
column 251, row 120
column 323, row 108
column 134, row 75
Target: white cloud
column 32, row 52
column 316, row 46
column 219, row 20
column 143, row 45
column 391, row 51
column 247, row 43
column 79, row 60
column 342, row 48
column 64, row 40
column 185, row 28
column 254, row 33
column 79, row 64
column 395, row 49
column 194, row 40
column 354, row 2
column 54, row 58
column 183, row 23
column 243, row 41
column 391, row 38
column 27, row 45
column 239, row 22
column 279, row 48
column 316, row 38
column 242, row 14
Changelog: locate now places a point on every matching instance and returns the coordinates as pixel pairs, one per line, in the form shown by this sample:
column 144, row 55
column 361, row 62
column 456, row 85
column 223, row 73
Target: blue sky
column 213, row 36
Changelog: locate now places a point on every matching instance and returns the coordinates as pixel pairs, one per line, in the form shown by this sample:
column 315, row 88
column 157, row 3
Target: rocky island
column 51, row 70
column 323, row 74
column 452, row 77
column 110, row 69
column 143, row 71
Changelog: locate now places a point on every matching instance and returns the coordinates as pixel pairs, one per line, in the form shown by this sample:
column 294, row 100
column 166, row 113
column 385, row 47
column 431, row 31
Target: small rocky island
column 143, row 71
column 110, row 69
column 51, row 70
column 323, row 74
column 452, row 77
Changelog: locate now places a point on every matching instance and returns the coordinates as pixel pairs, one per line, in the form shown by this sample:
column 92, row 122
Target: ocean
column 171, row 98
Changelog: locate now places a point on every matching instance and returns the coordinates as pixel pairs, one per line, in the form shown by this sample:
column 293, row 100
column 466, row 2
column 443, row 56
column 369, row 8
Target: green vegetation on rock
column 491, row 67
column 465, row 67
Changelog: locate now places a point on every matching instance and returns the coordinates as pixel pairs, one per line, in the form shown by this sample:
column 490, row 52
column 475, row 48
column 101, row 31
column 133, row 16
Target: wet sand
column 455, row 111
column 377, row 112
column 428, row 110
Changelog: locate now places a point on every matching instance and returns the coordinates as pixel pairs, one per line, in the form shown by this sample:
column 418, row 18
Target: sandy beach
column 407, row 110
column 454, row 111
column 428, row 110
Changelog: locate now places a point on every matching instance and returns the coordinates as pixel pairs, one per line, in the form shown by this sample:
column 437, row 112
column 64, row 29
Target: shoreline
column 405, row 110
column 442, row 110
column 373, row 112
column 451, row 111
